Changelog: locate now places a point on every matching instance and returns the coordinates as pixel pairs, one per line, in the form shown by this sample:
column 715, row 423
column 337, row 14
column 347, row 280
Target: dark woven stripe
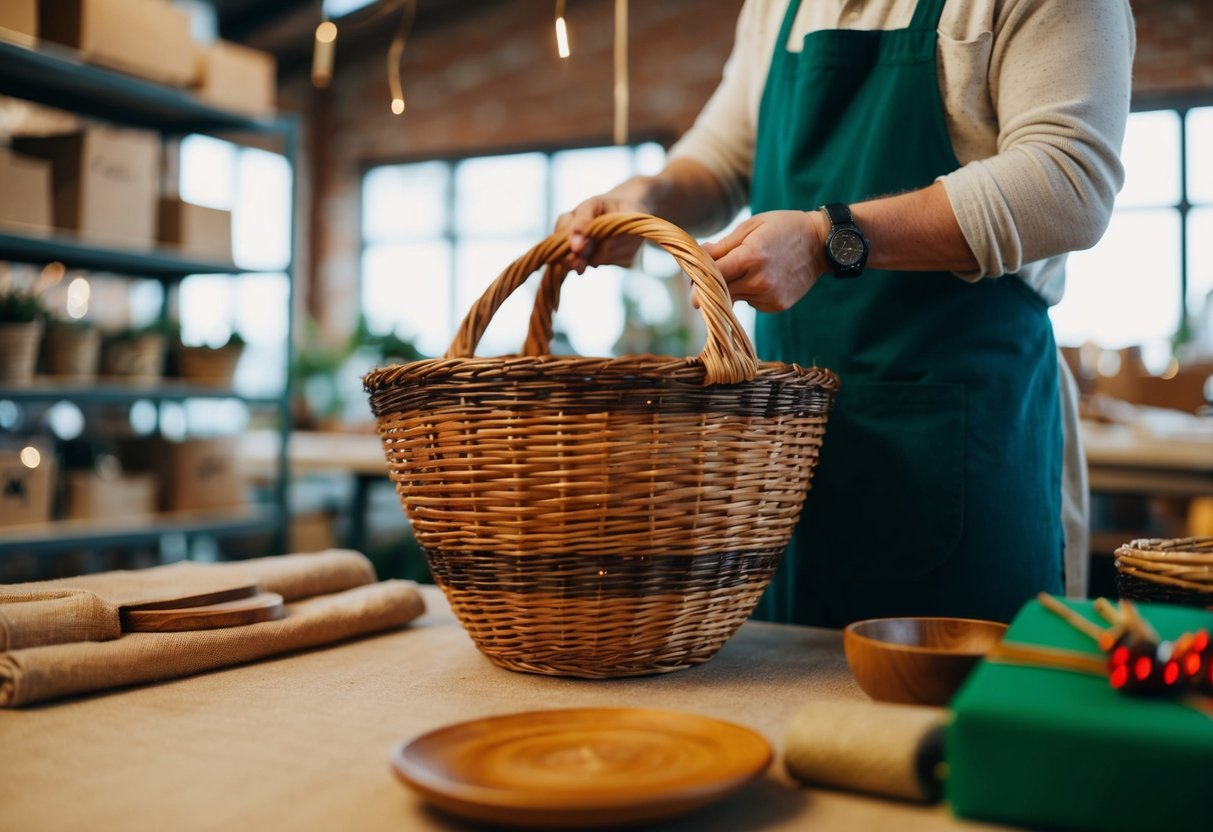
column 1134, row 588
column 598, row 576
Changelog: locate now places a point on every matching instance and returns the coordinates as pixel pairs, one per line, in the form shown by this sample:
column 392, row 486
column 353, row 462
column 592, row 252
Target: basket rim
column 1161, row 548
column 645, row 364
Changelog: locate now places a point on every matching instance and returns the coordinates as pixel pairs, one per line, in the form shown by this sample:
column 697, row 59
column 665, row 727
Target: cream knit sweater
column 1035, row 93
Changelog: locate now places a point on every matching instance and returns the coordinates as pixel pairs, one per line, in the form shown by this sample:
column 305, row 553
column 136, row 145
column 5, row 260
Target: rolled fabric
column 88, row 607
column 873, row 747
column 38, row 674
column 292, row 576
column 55, row 616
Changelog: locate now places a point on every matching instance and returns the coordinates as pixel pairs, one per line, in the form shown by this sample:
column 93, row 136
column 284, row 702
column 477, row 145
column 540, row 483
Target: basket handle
column 728, row 356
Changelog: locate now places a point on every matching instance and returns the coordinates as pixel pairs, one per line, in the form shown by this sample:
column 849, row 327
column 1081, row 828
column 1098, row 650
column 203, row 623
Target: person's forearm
column 915, row 231
column 685, row 193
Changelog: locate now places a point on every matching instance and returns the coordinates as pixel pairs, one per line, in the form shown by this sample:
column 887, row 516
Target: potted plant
column 214, row 366
column 135, row 353
column 71, row 350
column 20, row 333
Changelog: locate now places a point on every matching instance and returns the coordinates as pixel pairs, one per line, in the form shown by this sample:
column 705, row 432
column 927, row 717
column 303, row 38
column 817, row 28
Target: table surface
column 301, row 742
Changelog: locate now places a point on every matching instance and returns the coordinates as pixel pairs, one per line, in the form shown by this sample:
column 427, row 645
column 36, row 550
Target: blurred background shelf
column 79, row 254
column 57, row 77
column 114, row 532
column 119, row 391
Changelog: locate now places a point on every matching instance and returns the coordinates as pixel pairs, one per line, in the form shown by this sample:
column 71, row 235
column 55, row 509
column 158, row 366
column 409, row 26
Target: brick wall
column 490, row 81
column 1174, row 47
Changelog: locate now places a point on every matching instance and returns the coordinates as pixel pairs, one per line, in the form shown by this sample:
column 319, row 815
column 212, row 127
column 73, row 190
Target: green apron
column 938, row 489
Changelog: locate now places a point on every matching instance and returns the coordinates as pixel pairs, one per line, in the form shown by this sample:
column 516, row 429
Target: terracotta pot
column 204, row 365
column 19, row 351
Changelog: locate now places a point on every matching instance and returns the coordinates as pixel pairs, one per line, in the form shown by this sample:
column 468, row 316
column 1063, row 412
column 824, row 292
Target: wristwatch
column 846, row 248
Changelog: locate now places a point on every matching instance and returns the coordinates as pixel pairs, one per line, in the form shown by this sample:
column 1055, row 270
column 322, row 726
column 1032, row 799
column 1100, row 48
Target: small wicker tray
column 1176, row 571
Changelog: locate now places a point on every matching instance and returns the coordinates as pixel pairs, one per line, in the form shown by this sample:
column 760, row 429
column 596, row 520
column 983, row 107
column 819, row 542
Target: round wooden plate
column 585, row 767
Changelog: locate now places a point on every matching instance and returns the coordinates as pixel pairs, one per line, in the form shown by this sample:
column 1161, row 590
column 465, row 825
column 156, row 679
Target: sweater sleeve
column 722, row 137
column 1059, row 84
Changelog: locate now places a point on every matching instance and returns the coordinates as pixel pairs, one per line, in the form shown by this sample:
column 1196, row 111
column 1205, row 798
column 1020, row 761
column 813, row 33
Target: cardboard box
column 195, row 230
column 25, row 199
column 19, row 21
column 203, row 475
column 148, row 38
column 105, row 183
column 90, row 495
column 1042, row 747
column 234, row 77
column 25, row 491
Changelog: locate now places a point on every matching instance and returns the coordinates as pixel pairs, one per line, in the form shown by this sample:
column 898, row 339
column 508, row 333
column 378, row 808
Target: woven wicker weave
column 1178, row 571
column 602, row 517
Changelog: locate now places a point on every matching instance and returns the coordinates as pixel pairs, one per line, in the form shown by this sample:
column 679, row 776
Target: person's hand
column 618, row 251
column 772, row 259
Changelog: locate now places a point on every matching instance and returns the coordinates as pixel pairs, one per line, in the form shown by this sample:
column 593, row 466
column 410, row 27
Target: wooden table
column 301, row 742
column 1122, row 459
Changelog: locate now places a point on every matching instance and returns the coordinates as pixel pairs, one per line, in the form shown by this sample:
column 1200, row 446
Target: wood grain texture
column 263, row 606
column 218, row 596
column 917, row 661
column 581, row 768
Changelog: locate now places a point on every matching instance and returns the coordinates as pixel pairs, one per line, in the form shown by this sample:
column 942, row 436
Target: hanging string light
column 322, row 53
column 326, row 45
column 562, row 33
column 621, row 71
column 396, row 52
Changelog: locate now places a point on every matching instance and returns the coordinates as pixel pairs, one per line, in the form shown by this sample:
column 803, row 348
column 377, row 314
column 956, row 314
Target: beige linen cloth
column 64, row 637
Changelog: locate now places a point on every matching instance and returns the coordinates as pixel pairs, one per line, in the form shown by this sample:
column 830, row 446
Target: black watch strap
column 838, row 213
column 846, row 248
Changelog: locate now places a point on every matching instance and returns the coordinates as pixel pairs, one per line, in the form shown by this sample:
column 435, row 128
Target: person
column 962, row 147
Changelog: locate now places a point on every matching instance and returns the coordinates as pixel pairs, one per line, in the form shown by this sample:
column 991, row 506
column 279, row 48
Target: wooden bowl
column 917, row 661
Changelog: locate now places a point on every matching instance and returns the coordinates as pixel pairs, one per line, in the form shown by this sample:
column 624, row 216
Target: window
column 437, row 233
column 255, row 185
column 1151, row 276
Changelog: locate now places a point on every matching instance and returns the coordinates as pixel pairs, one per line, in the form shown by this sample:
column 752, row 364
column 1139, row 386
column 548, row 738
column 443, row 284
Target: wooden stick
column 1070, row 617
column 1049, row 657
column 1109, row 611
column 1136, row 624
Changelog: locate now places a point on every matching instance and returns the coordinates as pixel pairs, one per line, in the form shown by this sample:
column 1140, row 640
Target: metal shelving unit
column 78, row 254
column 55, row 76
column 107, row 391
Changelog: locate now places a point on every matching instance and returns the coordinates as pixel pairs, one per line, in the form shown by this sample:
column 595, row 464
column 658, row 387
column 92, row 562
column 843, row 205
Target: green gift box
column 1058, row 749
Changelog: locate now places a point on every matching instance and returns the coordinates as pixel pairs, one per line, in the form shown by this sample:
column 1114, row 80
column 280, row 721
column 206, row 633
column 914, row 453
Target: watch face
column 846, row 247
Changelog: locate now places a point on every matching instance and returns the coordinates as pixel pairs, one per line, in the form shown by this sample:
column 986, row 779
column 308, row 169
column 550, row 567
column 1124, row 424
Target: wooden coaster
column 218, row 596
column 580, row 768
column 262, row 606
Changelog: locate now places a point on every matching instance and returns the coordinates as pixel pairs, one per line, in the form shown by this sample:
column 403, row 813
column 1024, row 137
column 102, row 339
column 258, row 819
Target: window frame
column 1181, row 104
column 451, row 161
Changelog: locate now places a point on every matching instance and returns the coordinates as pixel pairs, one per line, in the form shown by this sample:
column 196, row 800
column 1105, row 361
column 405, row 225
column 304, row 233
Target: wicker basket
column 1178, row 571
column 602, row 517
